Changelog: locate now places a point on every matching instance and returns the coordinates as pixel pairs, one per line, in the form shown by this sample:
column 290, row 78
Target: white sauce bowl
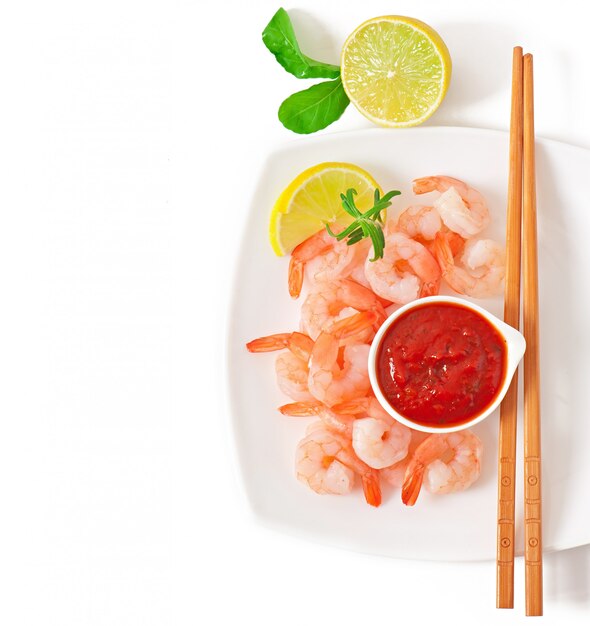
column 515, row 348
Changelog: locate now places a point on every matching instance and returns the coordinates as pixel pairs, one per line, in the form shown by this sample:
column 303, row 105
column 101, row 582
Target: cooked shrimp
column 335, row 377
column 419, row 221
column 359, row 276
column 326, row 462
column 292, row 374
column 483, row 267
column 394, row 474
column 291, row 367
column 377, row 439
column 331, row 382
column 444, row 463
column 407, row 270
column 378, row 442
column 357, row 273
column 323, row 257
column 461, row 207
column 317, row 463
column 333, row 300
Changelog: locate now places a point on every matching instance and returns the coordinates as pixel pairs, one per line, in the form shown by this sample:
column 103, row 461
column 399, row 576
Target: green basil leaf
column 279, row 38
column 315, row 108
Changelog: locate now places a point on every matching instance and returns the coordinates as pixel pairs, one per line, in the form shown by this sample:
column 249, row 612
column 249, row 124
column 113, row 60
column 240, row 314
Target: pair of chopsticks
column 521, row 209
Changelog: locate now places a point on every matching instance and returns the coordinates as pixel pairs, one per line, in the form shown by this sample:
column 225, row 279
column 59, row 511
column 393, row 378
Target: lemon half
column 395, row 70
column 313, row 198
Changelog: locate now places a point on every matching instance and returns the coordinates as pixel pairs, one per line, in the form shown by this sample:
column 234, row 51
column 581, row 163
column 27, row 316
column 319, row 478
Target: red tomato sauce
column 441, row 364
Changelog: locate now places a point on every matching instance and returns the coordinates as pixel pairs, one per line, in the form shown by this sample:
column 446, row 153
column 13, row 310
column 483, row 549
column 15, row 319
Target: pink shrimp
column 378, row 439
column 326, row 462
column 406, row 271
column 327, row 259
column 357, row 273
column 292, row 375
column 447, row 462
column 291, row 367
column 332, row 300
column 335, row 377
column 419, row 222
column 423, row 224
column 462, row 208
column 482, row 268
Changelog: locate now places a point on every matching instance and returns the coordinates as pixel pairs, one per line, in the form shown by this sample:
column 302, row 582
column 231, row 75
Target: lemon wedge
column 312, row 199
column 395, row 70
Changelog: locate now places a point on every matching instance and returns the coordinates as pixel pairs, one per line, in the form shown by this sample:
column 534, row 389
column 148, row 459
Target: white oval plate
column 452, row 527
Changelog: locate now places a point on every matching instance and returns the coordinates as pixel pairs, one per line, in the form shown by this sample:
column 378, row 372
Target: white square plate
column 459, row 526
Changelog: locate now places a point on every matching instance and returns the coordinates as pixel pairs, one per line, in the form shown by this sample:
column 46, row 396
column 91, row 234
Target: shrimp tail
column 301, row 409
column 435, row 183
column 384, row 302
column 269, row 343
column 456, row 242
column 295, row 277
column 443, row 253
column 300, row 345
column 315, row 244
column 380, row 315
column 430, row 289
column 352, row 407
column 352, row 325
column 412, row 483
column 424, row 185
column 372, row 488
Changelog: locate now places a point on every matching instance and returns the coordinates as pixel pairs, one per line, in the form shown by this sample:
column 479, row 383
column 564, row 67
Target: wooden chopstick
column 509, row 407
column 533, row 553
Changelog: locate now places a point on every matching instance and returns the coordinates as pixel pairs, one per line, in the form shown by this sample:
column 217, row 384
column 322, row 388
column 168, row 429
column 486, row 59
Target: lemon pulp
column 395, row 70
column 312, row 199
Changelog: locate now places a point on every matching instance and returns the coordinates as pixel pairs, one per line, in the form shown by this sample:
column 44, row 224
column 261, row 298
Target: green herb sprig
column 315, row 108
column 368, row 224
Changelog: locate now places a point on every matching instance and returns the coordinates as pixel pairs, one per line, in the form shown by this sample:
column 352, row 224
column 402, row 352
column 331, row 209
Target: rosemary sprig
column 368, row 224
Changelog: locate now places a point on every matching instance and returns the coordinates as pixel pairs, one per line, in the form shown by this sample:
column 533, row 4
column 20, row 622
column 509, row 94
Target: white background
column 131, row 136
